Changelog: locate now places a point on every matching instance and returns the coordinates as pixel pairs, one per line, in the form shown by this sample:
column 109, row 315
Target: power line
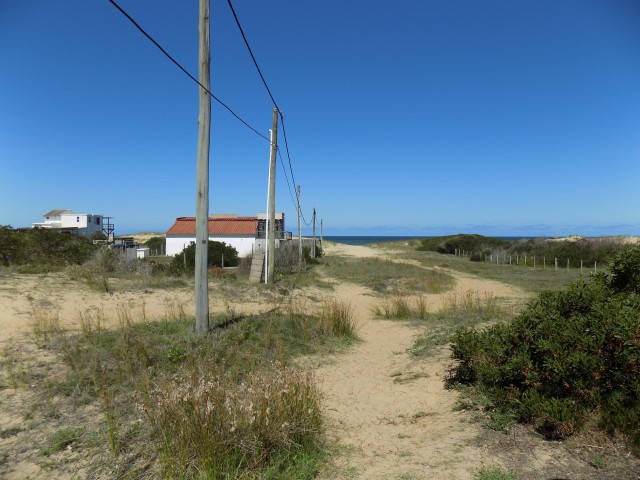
column 286, row 177
column 185, row 70
column 264, row 82
column 246, row 42
column 286, row 144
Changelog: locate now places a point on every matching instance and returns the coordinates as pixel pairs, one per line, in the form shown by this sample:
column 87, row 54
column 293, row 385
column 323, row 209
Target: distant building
column 128, row 247
column 245, row 234
column 78, row 223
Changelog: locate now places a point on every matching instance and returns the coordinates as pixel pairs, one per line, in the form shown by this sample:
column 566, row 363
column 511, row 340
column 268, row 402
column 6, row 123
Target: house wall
column 86, row 224
column 74, row 221
column 176, row 243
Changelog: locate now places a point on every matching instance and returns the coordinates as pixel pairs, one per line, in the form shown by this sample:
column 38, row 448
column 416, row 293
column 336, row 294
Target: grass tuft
column 215, row 425
column 337, row 319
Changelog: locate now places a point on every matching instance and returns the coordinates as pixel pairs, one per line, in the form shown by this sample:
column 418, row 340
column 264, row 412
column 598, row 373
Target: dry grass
column 211, row 423
column 402, row 307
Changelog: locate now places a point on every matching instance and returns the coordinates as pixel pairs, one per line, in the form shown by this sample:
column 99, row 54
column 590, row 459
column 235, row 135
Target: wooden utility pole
column 313, row 247
column 299, row 234
column 270, row 263
column 202, row 173
column 320, row 233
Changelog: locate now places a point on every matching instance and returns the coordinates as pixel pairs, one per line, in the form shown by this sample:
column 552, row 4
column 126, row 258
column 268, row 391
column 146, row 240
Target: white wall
column 244, row 245
column 74, row 221
column 175, row 245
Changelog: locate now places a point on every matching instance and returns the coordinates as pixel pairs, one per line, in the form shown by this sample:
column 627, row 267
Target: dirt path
column 389, row 414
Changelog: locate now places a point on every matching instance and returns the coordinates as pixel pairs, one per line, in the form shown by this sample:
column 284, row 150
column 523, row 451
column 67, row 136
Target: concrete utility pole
column 202, row 173
column 270, row 263
column 313, row 247
column 299, row 234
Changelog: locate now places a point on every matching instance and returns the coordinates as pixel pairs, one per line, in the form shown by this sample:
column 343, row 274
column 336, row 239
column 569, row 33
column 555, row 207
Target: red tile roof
column 217, row 226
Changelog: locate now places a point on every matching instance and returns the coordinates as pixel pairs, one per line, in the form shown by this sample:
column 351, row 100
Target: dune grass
column 387, row 276
column 175, row 404
column 529, row 279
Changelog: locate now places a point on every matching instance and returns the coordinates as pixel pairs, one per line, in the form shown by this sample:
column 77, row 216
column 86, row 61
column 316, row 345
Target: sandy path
column 389, row 413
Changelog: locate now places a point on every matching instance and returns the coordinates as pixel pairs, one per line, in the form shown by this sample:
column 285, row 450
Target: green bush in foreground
column 569, row 357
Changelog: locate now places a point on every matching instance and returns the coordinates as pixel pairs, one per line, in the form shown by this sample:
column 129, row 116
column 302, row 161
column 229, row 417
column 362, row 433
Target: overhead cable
column 264, row 82
column 185, row 70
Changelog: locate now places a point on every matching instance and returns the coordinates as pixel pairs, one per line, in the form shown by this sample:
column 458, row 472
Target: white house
column 242, row 233
column 79, row 223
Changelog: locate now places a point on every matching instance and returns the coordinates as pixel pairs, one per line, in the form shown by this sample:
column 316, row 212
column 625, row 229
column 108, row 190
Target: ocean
column 367, row 239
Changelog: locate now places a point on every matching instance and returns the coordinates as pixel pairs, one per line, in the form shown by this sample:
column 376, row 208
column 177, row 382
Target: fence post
column 509, row 259
column 556, row 263
column 595, row 267
column 567, row 264
column 544, row 263
column 525, row 259
column 580, row 267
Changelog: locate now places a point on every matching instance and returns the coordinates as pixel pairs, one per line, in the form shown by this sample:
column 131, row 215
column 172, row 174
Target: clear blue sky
column 412, row 117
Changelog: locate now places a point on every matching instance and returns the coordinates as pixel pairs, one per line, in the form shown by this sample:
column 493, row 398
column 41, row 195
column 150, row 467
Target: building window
column 77, row 219
column 97, row 220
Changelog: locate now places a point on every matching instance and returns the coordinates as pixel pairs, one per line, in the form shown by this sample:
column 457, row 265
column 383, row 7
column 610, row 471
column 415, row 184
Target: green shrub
column 569, row 356
column 625, row 270
column 467, row 242
column 42, row 247
column 155, row 244
column 186, row 260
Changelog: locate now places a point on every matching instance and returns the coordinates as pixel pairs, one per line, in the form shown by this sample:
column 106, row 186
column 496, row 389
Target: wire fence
column 524, row 260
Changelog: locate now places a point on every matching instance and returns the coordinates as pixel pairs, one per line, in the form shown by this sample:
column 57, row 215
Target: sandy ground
column 388, row 414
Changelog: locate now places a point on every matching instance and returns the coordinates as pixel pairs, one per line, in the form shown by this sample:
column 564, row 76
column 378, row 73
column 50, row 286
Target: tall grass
column 389, row 277
column 459, row 309
column 402, row 307
column 211, row 426
column 44, row 324
column 337, row 319
column 229, row 404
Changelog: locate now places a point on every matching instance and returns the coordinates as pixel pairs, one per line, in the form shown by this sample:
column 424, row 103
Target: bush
column 43, row 247
column 569, row 356
column 216, row 251
column 155, row 244
column 467, row 242
column 625, row 270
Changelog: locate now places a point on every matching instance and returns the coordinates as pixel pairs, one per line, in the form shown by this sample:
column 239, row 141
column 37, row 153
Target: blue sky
column 413, row 117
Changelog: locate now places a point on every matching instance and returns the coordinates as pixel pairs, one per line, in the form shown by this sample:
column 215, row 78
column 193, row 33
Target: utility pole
column 320, row 233
column 202, row 172
column 270, row 262
column 313, row 247
column 299, row 234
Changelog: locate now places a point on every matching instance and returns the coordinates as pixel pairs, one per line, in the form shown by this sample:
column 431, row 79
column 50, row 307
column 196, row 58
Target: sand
column 391, row 414
column 388, row 414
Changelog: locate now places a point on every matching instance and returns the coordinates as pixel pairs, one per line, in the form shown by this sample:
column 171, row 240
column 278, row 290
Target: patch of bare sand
column 390, row 413
column 55, row 293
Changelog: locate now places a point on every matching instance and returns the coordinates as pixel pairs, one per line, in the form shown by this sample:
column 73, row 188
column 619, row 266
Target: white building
column 79, row 223
column 242, row 233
